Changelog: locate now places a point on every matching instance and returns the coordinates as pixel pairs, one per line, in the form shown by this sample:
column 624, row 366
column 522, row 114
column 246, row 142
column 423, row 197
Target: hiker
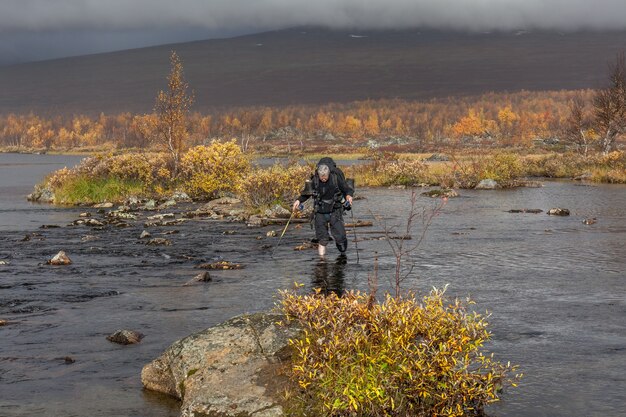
column 332, row 194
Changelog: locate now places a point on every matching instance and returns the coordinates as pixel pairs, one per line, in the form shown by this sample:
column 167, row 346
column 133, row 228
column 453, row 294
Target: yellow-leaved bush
column 274, row 185
column 397, row 357
column 110, row 178
column 209, row 171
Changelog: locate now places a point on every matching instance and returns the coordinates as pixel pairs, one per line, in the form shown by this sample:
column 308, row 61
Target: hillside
column 313, row 66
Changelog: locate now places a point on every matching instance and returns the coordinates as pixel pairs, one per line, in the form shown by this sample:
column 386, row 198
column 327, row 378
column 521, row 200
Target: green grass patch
column 84, row 189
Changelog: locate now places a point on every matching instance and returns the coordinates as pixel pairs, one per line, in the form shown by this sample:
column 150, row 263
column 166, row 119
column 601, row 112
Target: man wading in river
column 332, row 194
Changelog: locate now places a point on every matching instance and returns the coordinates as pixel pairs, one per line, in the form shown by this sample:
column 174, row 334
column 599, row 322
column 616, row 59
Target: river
column 556, row 289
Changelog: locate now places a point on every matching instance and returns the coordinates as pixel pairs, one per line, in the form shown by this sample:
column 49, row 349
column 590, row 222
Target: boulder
column 221, row 202
column 60, row 259
column 558, row 212
column 41, row 195
column 125, row 337
column 3, row 322
column 159, row 241
column 145, row 234
column 181, row 196
column 533, row 211
column 132, row 201
column 161, row 216
column 278, row 211
column 441, row 193
column 220, row 265
column 255, row 221
column 150, row 205
column 487, row 184
column 122, row 215
column 103, row 205
column 166, row 204
column 201, row 277
column 232, row 369
column 94, row 223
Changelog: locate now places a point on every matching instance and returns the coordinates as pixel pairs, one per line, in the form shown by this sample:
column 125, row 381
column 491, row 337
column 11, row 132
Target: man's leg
column 321, row 232
column 338, row 230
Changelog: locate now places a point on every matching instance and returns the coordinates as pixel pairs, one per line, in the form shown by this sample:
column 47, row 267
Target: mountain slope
column 308, row 66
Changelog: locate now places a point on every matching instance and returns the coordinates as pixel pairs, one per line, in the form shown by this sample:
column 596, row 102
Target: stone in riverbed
column 60, row 259
column 145, row 234
column 159, row 241
column 201, row 277
column 278, row 211
column 220, row 265
column 533, row 211
column 441, row 193
column 558, row 212
column 232, row 369
column 181, row 196
column 42, row 195
column 487, row 184
column 103, row 205
column 125, row 337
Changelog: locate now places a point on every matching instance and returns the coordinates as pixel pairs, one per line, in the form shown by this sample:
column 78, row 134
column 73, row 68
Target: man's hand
column 349, row 199
column 296, row 205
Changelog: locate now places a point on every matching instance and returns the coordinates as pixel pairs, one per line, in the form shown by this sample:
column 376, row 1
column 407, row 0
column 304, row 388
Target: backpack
column 336, row 174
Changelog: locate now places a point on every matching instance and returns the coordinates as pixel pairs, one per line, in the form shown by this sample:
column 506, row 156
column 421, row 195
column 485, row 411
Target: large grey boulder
column 41, row 194
column 487, row 184
column 228, row 370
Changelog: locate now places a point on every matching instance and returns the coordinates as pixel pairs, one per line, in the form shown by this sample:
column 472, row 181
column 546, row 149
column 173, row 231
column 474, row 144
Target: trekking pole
column 356, row 244
column 283, row 233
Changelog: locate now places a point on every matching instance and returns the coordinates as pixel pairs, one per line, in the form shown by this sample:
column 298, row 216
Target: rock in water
column 558, row 212
column 201, row 277
column 231, row 369
column 159, row 241
column 125, row 337
column 487, row 184
column 60, row 259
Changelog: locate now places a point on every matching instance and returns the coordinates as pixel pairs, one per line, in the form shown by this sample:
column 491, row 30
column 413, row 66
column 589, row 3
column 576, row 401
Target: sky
column 44, row 29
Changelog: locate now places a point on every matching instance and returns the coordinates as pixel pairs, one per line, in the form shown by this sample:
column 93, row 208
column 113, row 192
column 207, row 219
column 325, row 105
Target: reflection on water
column 556, row 289
column 329, row 276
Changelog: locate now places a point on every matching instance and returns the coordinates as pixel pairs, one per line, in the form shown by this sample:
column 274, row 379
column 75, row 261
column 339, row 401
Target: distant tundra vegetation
column 504, row 137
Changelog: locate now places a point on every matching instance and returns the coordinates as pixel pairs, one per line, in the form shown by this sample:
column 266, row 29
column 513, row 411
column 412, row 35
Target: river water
column 556, row 289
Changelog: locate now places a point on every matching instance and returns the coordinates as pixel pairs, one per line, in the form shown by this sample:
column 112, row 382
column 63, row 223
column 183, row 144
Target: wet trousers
column 334, row 221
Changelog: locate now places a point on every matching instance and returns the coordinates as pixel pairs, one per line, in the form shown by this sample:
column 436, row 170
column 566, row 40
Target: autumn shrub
column 209, row 171
column 566, row 165
column 406, row 172
column 502, row 167
column 277, row 184
column 398, row 357
column 81, row 189
column 611, row 168
column 110, row 178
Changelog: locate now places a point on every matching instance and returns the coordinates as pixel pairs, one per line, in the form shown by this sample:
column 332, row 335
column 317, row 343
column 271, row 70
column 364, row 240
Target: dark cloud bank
column 39, row 29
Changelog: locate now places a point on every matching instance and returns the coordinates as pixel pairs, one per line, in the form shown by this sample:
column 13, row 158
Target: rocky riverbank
column 234, row 369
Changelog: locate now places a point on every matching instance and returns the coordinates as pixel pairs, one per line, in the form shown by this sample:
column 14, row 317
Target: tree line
column 583, row 119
